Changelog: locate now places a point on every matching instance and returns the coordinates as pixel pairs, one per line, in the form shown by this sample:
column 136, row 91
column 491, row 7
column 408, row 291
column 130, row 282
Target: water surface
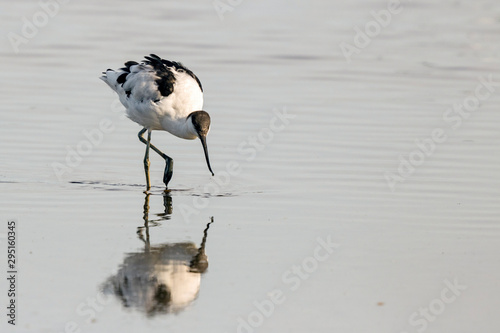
column 93, row 256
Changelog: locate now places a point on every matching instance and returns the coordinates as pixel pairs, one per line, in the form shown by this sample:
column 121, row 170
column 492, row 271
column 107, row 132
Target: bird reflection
column 162, row 278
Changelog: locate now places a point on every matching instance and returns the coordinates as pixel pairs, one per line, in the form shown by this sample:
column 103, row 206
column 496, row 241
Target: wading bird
column 159, row 94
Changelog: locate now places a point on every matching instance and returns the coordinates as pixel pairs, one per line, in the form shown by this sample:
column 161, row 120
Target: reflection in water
column 162, row 278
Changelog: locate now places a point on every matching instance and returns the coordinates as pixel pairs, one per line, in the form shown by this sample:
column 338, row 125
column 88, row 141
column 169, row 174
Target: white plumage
column 159, row 94
column 148, row 107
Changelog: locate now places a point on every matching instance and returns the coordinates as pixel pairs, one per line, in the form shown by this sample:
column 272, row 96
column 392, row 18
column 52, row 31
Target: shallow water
column 307, row 234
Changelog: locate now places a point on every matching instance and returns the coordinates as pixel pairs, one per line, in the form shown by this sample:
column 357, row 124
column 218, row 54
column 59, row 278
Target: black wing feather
column 122, row 78
column 162, row 64
column 166, row 78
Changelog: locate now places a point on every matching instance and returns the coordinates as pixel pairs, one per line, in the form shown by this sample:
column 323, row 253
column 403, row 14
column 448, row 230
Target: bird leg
column 146, row 162
column 169, row 167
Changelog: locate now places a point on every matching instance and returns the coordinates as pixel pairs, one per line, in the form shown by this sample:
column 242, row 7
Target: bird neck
column 182, row 128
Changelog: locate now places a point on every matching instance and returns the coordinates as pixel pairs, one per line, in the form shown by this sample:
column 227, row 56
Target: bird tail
column 111, row 79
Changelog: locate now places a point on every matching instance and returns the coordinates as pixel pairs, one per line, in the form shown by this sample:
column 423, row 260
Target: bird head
column 201, row 124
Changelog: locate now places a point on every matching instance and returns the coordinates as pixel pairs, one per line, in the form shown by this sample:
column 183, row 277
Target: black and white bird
column 159, row 94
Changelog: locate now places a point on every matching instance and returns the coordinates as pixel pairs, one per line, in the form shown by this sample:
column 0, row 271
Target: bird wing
column 150, row 80
column 156, row 89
